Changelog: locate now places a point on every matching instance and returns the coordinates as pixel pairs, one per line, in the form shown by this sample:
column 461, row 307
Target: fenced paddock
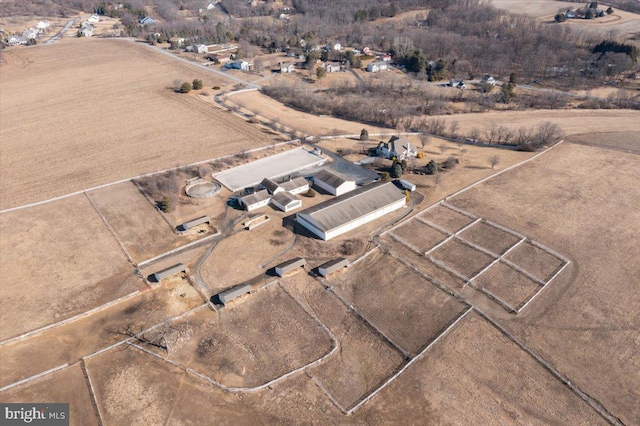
column 502, row 264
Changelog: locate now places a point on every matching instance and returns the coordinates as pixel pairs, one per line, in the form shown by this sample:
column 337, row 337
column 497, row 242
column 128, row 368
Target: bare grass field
column 69, row 342
column 392, row 296
column 475, row 375
column 445, row 218
column 265, row 336
column 58, row 260
column 489, row 237
column 535, row 261
column 582, row 202
column 618, row 141
column 65, row 386
column 419, row 235
column 77, row 142
column 508, row 284
column 138, row 225
column 461, row 257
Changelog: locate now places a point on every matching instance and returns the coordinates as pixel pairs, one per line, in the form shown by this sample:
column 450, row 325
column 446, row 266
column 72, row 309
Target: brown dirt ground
column 582, row 202
column 461, row 257
column 58, row 260
column 88, row 129
column 257, row 340
column 489, row 237
column 535, row 261
column 419, row 235
column 391, row 296
column 64, row 386
column 475, row 375
column 508, row 284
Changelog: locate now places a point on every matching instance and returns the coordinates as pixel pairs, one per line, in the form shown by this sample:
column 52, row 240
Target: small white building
column 16, row 40
column 30, row 33
column 211, row 6
column 240, row 65
column 331, row 66
column 286, row 202
column 42, row 26
column 342, row 214
column 145, row 20
column 86, row 31
column 458, row 84
column 200, row 48
column 377, row 66
column 255, row 201
column 287, row 68
column 333, row 182
column 296, row 185
column 385, row 57
column 93, row 19
column 487, row 79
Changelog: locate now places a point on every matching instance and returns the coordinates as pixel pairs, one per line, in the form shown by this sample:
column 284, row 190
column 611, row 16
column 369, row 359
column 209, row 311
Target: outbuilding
column 333, row 182
column 255, row 201
column 167, row 272
column 234, row 292
column 296, row 185
column 270, row 185
column 194, row 222
column 286, row 202
column 342, row 214
column 290, row 265
column 333, row 266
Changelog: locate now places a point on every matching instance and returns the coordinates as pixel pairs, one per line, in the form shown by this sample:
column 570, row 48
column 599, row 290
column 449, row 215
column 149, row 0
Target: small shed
column 234, row 292
column 290, row 265
column 333, row 182
column 194, row 222
column 255, row 201
column 295, row 185
column 167, row 272
column 332, row 266
column 286, row 202
column 270, row 185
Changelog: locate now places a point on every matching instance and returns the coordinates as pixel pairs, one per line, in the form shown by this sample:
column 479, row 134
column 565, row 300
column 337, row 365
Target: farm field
column 65, row 386
column 622, row 141
column 104, row 140
column 252, row 342
column 581, row 201
column 58, row 260
column 390, row 296
column 475, row 375
column 537, row 9
column 69, row 342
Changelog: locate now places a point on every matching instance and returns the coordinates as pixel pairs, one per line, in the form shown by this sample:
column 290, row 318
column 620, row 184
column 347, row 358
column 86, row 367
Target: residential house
column 16, row 40
column 42, row 26
column 176, row 41
column 211, row 6
column 377, row 66
column 240, row 65
column 331, row 67
column 199, row 48
column 487, row 79
column 93, row 19
column 287, row 68
column 458, row 84
column 30, row 34
column 86, row 30
column 385, row 57
column 399, row 148
column 145, row 20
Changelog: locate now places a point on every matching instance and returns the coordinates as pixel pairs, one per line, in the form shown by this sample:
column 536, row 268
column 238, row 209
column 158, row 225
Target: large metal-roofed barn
column 342, row 214
column 333, row 182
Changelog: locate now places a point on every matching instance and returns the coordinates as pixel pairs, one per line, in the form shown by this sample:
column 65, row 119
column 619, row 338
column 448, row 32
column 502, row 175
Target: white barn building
column 342, row 214
column 333, row 182
column 255, row 201
column 286, row 202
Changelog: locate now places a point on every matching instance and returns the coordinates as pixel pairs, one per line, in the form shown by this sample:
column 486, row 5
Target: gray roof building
column 347, row 212
column 194, row 222
column 295, row 185
column 333, row 182
column 167, row 272
column 286, row 202
column 271, row 186
column 332, row 266
column 234, row 292
column 290, row 265
column 257, row 200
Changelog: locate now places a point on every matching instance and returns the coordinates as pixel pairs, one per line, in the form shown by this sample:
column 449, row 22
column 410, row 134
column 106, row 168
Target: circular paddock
column 202, row 189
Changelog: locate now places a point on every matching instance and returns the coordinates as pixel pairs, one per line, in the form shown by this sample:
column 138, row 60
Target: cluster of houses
column 587, row 13
column 28, row 34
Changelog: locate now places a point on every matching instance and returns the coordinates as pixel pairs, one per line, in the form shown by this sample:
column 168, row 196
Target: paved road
column 61, row 32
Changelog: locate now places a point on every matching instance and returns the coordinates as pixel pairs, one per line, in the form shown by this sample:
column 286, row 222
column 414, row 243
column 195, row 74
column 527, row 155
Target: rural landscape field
column 313, row 212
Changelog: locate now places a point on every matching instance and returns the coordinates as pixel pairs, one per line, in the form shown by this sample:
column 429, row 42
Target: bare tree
column 474, row 134
column 425, row 138
column 453, row 129
column 494, row 160
column 443, row 147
